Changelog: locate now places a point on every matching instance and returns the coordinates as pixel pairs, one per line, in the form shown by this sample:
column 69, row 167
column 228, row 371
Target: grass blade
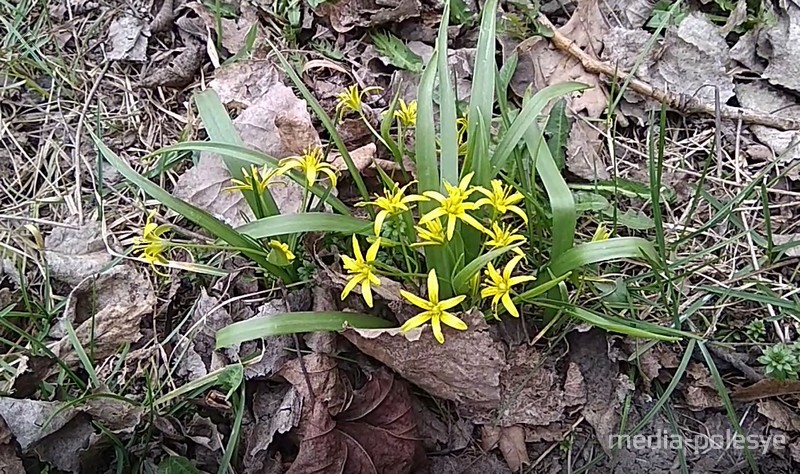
column 481, row 102
column 306, row 222
column 447, row 106
column 425, row 138
column 528, row 115
column 462, row 278
column 601, row 251
column 220, row 129
column 292, row 323
column 192, row 213
column 257, row 158
column 355, row 174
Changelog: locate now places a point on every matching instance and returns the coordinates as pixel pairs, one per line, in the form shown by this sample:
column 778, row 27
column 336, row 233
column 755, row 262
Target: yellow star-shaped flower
column 454, row 206
column 392, row 202
column 362, row 270
column 310, row 164
column 502, row 236
column 435, row 310
column 406, row 114
column 498, row 286
column 351, row 99
column 502, row 199
column 430, row 233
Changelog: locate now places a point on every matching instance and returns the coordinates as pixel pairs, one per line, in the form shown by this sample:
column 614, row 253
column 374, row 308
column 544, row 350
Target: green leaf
column 293, row 323
column 462, row 278
column 527, row 117
column 306, row 222
column 425, row 135
column 481, row 102
column 541, row 289
column 220, row 129
column 628, row 327
column 507, row 71
column 562, row 204
column 230, row 378
column 447, row 107
column 256, row 158
column 601, row 251
column 631, row 219
column 557, row 132
column 586, row 201
column 194, row 214
column 177, row 465
column 355, row 174
column 396, row 51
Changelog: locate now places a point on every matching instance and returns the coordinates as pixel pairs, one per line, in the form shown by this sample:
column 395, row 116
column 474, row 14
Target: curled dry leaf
column 779, row 415
column 784, row 61
column 276, row 410
column 327, row 386
column 511, row 441
column 73, row 254
column 345, row 15
column 767, row 388
column 9, row 459
column 541, row 64
column 109, row 310
column 375, row 434
column 465, row 369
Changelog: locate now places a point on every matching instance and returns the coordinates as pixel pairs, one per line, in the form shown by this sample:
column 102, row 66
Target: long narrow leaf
column 425, row 138
column 562, row 202
column 355, row 174
column 220, row 129
column 194, row 214
column 462, row 278
column 601, row 251
column 528, row 115
column 541, row 289
column 258, row 158
column 293, row 323
column 306, row 222
column 481, row 102
column 447, row 106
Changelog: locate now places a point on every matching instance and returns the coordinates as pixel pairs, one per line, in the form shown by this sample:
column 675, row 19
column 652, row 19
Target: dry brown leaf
column 608, row 388
column 119, row 298
column 328, row 387
column 376, row 434
column 767, row 388
column 784, row 60
column 276, row 123
column 9, row 459
column 127, row 38
column 466, row 368
column 243, row 83
column 345, row 15
column 276, row 409
column 541, row 64
column 764, row 98
column 550, row 433
column 631, row 13
column 510, row 440
column 701, row 393
column 73, row 254
column 779, row 415
column 234, row 30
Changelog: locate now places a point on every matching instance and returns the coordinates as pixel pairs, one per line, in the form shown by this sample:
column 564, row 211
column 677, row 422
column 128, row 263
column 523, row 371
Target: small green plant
column 780, row 362
column 396, row 51
column 756, row 330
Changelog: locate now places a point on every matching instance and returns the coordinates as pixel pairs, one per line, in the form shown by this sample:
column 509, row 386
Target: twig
column 681, row 102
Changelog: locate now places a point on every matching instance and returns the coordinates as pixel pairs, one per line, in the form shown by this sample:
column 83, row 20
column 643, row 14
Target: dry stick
column 680, row 102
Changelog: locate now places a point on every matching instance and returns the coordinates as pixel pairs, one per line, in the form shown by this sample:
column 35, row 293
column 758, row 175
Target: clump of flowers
column 489, row 214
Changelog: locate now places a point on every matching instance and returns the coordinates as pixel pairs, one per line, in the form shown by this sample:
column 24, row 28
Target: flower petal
column 416, row 300
column 453, row 321
column 516, row 210
column 509, row 268
column 433, row 287
column 357, row 250
column 450, row 302
column 520, row 279
column 464, row 183
column 366, row 292
column 436, row 196
column 416, row 321
column 473, row 222
column 432, row 215
column 355, row 280
column 451, row 226
column 509, row 305
column 379, row 218
column 372, row 251
column 436, row 325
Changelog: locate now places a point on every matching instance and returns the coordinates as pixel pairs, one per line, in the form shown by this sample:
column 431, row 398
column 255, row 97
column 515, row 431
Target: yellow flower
column 499, row 286
column 434, row 310
column 602, row 233
column 407, row 113
column 150, row 244
column 430, row 233
column 362, row 270
column 282, row 249
column 350, row 99
column 502, row 236
column 256, row 180
column 454, row 206
column 392, row 202
column 310, row 164
column 502, row 199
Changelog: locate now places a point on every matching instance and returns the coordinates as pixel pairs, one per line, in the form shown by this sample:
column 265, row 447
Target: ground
column 110, row 364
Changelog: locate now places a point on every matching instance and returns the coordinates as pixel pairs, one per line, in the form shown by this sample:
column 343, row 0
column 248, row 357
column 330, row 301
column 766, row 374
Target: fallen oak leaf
column 376, row 434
